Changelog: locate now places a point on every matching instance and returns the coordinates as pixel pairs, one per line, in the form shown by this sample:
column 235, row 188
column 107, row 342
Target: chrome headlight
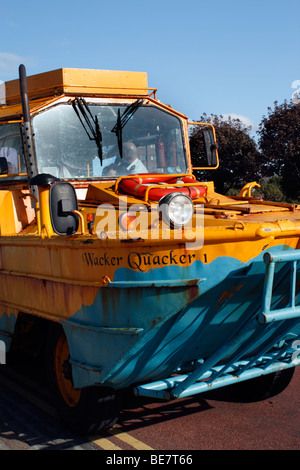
column 177, row 209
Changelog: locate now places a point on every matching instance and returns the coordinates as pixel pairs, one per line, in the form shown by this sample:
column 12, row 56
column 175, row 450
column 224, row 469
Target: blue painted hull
column 149, row 330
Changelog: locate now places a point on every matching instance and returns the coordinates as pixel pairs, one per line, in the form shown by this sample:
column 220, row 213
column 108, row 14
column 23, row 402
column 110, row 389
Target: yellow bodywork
column 38, row 265
column 102, row 278
column 80, row 82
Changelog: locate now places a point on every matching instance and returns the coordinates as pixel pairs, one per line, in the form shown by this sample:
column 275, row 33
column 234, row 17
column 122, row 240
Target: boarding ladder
column 209, row 374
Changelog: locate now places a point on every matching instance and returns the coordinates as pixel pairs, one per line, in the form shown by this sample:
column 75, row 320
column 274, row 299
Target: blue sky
column 220, row 57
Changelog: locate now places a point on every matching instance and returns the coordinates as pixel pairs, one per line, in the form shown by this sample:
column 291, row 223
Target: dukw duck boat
column 126, row 269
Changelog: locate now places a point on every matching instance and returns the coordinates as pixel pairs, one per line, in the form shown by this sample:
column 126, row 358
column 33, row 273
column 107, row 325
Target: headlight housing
column 177, row 209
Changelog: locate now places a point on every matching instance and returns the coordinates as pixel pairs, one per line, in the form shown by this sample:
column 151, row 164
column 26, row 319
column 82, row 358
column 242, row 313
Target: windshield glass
column 11, row 149
column 68, row 147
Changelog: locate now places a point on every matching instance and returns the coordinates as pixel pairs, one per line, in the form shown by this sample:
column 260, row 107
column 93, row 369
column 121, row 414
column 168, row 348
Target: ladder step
column 162, row 389
column 291, row 311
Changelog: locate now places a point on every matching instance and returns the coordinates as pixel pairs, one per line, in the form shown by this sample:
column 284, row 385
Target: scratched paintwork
column 133, row 327
column 137, row 310
column 158, row 344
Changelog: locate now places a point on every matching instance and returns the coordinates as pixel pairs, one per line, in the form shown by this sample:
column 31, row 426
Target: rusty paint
column 135, row 308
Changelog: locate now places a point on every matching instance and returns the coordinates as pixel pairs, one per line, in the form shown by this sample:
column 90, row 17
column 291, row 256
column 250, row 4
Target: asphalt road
column 205, row 422
column 213, row 422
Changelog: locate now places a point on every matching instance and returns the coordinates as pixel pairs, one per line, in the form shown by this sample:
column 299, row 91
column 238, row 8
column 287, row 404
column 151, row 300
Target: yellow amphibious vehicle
column 127, row 271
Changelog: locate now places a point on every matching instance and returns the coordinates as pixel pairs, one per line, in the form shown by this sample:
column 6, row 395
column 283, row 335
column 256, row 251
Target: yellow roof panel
column 80, row 81
column 14, row 111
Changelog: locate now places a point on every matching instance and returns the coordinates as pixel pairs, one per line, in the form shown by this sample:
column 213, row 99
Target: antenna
column 29, row 147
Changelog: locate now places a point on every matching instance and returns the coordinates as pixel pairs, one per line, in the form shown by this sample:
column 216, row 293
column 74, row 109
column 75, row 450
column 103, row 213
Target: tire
column 262, row 387
column 84, row 411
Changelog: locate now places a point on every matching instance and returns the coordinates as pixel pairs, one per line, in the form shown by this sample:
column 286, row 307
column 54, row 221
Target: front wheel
column 262, row 387
column 84, row 411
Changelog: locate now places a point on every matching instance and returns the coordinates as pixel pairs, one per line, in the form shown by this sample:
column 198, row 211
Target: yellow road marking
column 106, row 444
column 123, row 436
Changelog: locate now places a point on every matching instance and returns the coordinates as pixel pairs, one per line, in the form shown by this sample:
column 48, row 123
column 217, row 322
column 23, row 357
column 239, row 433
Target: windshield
column 150, row 141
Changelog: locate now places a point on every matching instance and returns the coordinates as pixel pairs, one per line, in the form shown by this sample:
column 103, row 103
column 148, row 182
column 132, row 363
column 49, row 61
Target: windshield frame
column 122, row 105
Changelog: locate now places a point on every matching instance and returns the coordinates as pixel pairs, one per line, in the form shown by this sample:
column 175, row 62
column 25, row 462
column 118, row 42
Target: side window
column 11, row 149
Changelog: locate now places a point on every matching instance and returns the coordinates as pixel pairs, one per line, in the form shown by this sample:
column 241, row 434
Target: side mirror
column 210, row 147
column 203, row 145
column 3, row 166
column 62, row 201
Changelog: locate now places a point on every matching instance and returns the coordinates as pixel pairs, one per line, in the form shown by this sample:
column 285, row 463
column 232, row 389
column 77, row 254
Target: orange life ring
column 139, row 185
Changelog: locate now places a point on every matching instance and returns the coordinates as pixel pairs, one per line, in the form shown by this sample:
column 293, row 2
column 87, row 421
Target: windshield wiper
column 79, row 104
column 122, row 121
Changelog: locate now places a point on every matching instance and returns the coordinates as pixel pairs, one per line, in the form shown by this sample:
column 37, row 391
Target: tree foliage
column 274, row 162
column 238, row 154
column 279, row 141
column 270, row 189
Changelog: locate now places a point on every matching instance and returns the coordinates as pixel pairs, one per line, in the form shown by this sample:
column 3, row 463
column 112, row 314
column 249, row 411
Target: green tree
column 279, row 141
column 270, row 189
column 239, row 157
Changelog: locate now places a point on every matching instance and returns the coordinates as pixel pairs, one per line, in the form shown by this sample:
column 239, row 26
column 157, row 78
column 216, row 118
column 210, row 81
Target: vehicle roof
column 65, row 81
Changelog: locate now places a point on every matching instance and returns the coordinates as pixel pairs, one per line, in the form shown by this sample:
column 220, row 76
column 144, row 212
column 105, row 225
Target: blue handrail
column 292, row 311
